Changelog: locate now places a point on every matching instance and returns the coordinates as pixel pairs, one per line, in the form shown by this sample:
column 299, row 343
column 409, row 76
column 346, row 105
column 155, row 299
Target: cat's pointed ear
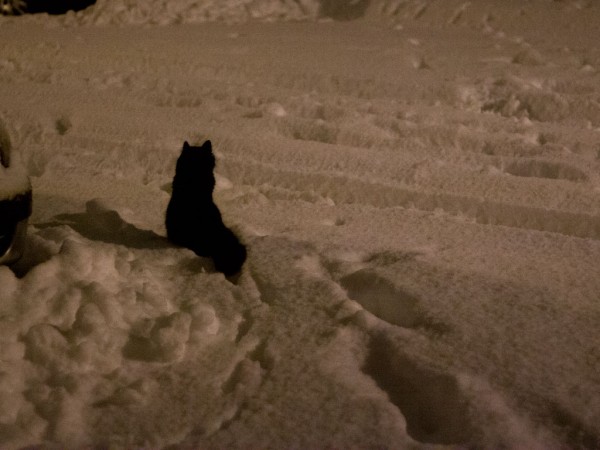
column 207, row 145
column 186, row 145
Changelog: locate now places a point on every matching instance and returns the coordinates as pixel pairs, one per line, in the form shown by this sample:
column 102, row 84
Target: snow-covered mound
column 191, row 11
column 452, row 12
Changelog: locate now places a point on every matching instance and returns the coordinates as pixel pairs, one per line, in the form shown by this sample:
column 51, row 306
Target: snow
column 418, row 189
column 13, row 179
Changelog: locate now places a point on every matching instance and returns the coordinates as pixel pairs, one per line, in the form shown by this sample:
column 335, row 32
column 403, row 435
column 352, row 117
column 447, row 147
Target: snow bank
column 160, row 12
column 86, row 313
column 483, row 14
column 189, row 11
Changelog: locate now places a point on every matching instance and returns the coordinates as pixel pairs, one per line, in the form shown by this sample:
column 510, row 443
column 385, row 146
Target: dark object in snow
column 193, row 220
column 14, row 214
column 18, row 7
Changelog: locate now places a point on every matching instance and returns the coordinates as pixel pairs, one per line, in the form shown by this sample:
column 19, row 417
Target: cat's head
column 194, row 170
column 197, row 159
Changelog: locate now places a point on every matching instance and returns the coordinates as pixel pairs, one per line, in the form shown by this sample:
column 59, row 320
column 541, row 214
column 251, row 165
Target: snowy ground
column 419, row 191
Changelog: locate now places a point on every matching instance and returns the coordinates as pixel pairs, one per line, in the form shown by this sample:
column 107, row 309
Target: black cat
column 193, row 220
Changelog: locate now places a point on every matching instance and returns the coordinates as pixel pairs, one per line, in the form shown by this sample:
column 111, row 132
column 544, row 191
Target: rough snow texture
column 420, row 197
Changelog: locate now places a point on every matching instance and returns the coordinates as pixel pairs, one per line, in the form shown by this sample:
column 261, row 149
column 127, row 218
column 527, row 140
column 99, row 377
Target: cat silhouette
column 193, row 220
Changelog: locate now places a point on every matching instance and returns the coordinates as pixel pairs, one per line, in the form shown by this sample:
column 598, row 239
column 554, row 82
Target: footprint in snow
column 435, row 408
column 383, row 299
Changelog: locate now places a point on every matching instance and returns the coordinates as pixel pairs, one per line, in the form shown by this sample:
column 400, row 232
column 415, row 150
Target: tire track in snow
column 538, row 168
column 343, row 189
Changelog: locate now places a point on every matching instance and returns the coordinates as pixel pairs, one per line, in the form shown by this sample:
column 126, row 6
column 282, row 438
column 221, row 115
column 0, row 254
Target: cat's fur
column 193, row 220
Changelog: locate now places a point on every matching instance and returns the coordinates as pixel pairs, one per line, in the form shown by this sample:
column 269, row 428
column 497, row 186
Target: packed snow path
column 421, row 205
